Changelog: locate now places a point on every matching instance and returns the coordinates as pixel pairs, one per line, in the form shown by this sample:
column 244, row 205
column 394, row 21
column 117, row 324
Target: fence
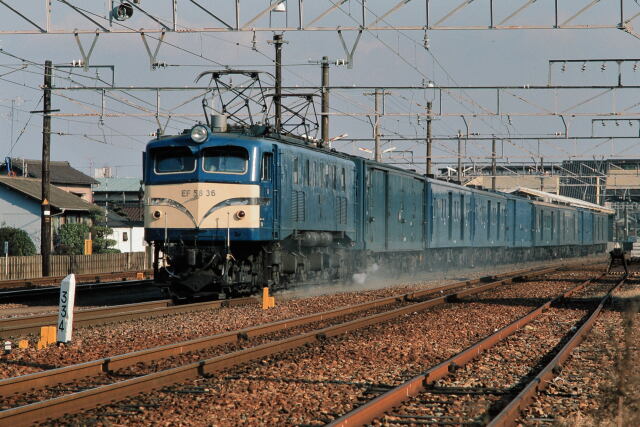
column 27, row 267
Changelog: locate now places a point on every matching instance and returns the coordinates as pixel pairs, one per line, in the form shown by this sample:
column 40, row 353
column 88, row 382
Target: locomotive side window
column 225, row 160
column 306, row 173
column 265, row 167
column 333, row 177
column 173, row 160
column 326, row 175
column 343, row 180
column 296, row 169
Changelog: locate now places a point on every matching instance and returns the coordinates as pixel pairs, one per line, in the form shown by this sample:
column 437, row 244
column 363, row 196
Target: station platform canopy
column 563, row 200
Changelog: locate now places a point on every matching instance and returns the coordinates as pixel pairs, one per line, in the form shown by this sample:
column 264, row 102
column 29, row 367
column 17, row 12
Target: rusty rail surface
column 96, row 367
column 80, row 278
column 511, row 412
column 378, row 406
column 87, row 399
column 19, row 326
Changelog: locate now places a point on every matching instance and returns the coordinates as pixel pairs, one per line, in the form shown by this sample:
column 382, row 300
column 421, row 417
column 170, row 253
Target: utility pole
column 378, row 153
column 493, row 164
column 459, row 157
column 45, row 222
column 325, row 101
column 277, row 98
column 429, row 139
column 541, row 173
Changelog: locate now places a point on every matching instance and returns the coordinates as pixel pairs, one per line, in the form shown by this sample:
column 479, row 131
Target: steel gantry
column 126, row 16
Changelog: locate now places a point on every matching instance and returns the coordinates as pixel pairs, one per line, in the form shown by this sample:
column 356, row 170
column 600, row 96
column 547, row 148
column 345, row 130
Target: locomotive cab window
column 225, row 160
column 173, row 160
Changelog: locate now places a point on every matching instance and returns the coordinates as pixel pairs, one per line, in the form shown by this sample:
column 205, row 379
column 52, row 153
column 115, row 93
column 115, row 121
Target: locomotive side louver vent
column 297, row 211
column 341, row 210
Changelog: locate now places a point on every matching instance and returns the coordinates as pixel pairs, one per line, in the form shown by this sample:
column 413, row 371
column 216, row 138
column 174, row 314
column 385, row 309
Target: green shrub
column 20, row 243
column 70, row 238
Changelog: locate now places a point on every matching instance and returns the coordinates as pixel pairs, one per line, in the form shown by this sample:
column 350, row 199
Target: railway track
column 20, row 326
column 238, row 347
column 39, row 292
column 80, row 278
column 451, row 393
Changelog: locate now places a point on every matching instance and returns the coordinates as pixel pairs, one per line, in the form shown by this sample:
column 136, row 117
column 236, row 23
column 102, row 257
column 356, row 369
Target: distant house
column 121, row 198
column 20, row 206
column 117, row 191
column 62, row 175
column 128, row 234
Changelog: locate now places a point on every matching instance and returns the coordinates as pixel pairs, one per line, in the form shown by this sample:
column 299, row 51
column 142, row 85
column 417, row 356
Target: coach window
column 318, row 174
column 488, row 219
column 173, row 160
column 499, row 221
column 541, row 217
column 451, row 215
column 231, row 160
column 462, row 217
column 265, row 166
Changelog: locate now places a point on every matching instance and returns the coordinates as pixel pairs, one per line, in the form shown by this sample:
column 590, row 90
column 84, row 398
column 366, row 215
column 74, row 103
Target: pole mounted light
column 123, row 11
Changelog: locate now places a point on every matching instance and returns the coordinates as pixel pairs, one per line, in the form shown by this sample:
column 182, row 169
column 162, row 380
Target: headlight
column 199, row 134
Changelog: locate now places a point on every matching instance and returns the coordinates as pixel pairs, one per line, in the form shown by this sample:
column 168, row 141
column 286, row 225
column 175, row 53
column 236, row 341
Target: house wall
column 82, row 191
column 135, row 239
column 21, row 212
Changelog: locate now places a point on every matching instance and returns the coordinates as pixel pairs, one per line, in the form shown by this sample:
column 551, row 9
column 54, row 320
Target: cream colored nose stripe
column 236, row 201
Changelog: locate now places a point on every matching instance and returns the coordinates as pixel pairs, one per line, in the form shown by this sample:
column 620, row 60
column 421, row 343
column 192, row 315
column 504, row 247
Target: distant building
column 62, row 175
column 128, row 234
column 20, row 206
column 120, row 197
column 116, row 191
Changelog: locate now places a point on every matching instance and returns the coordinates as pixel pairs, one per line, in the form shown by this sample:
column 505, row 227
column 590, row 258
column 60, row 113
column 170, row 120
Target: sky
column 382, row 58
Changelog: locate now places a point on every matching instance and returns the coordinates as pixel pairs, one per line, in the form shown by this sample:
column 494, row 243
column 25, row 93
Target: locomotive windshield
column 225, row 160
column 173, row 160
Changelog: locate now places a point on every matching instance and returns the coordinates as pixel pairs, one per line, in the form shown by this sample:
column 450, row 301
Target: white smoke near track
column 376, row 277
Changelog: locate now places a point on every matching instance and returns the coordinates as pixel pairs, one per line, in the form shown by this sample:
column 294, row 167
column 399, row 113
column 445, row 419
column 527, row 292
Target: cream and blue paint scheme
column 237, row 210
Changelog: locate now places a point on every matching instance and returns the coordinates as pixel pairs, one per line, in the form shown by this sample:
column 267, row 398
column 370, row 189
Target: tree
column 20, row 243
column 71, row 238
column 100, row 232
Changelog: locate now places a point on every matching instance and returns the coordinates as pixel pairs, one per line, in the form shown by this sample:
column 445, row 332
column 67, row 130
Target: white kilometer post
column 65, row 313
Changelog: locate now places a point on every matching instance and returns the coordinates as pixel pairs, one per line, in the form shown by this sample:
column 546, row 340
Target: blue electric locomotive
column 233, row 210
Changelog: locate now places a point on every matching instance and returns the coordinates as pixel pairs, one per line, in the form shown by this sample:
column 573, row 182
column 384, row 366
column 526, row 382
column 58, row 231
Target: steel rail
column 511, row 412
column 80, row 278
column 69, row 373
column 18, row 326
column 20, row 294
column 87, row 399
column 378, row 406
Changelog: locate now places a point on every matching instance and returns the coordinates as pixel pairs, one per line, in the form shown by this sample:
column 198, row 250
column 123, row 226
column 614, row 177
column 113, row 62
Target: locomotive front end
column 205, row 208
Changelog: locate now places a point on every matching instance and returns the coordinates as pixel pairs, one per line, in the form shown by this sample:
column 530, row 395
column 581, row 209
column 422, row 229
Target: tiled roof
column 116, row 185
column 114, row 220
column 61, row 172
column 60, row 199
column 132, row 215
